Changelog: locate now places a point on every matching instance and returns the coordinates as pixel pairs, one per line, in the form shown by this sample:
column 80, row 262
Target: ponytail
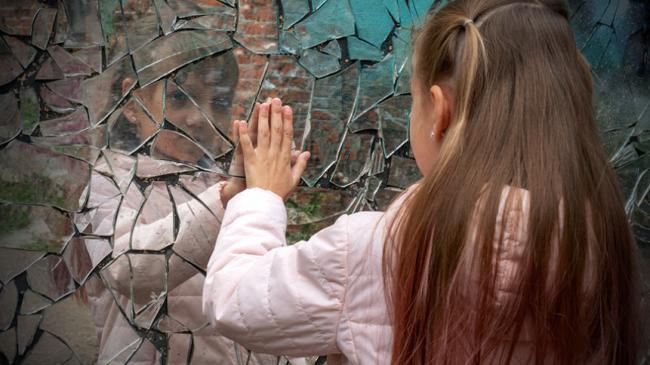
column 473, row 55
column 513, row 204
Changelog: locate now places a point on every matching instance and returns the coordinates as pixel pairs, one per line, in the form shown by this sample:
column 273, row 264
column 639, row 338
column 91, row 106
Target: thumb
column 300, row 166
column 234, row 135
column 237, row 162
column 236, row 138
column 294, row 157
column 245, row 142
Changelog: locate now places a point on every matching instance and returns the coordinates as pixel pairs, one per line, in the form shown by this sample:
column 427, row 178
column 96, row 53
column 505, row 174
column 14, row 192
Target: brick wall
column 287, row 80
column 257, row 29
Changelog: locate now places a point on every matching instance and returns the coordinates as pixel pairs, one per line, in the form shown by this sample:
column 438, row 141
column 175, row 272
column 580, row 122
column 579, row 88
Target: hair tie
column 468, row 20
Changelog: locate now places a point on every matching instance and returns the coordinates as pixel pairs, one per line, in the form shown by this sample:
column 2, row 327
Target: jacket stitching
column 241, row 313
column 272, row 316
column 369, row 323
column 323, row 278
column 319, row 332
column 343, row 311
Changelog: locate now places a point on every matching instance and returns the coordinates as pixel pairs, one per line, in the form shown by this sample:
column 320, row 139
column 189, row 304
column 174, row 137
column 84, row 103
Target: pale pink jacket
column 323, row 296
column 198, row 227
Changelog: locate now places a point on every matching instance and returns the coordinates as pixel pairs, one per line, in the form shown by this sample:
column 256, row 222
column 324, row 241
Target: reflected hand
column 237, row 164
column 268, row 165
column 237, row 182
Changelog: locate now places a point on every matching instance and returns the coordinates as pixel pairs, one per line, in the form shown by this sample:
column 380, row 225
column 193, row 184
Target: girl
column 134, row 280
column 513, row 248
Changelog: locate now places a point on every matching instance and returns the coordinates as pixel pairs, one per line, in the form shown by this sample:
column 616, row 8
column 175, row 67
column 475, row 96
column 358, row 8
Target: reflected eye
column 221, row 102
column 177, row 97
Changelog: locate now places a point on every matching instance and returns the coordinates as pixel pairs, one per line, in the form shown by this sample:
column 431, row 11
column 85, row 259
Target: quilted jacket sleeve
column 197, row 233
column 271, row 297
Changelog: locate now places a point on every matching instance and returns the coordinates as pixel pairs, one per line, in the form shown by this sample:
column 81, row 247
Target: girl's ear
column 441, row 117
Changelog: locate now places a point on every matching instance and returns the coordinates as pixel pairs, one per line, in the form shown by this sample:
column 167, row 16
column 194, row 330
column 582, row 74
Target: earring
column 433, row 135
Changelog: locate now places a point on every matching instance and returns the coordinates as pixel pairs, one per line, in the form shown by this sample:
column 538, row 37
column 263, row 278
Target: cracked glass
column 116, row 130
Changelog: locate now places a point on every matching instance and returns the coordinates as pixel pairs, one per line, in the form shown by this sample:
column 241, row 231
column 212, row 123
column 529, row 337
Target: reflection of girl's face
column 136, row 115
column 210, row 83
column 180, row 110
column 152, row 98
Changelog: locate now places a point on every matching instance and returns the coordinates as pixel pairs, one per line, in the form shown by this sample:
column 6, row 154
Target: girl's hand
column 237, row 164
column 237, row 182
column 268, row 166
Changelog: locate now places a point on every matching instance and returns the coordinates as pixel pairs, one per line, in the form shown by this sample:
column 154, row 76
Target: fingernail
column 287, row 111
column 268, row 100
column 277, row 102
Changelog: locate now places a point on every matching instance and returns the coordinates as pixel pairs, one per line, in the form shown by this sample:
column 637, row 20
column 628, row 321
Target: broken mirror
column 116, row 132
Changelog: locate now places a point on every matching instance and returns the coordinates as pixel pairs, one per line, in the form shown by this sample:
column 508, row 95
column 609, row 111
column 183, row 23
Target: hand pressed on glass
column 236, row 182
column 268, row 165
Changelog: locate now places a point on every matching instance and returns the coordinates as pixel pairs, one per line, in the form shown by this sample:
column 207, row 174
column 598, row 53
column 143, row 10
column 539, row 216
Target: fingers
column 294, row 157
column 287, row 129
column 299, row 167
column 253, row 122
column 237, row 163
column 263, row 133
column 233, row 131
column 276, row 124
column 245, row 142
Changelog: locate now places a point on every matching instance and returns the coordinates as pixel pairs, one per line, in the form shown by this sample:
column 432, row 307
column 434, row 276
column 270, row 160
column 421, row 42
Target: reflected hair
column 217, row 76
column 522, row 117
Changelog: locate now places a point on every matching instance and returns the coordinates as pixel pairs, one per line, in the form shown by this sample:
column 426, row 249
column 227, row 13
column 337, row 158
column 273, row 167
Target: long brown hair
column 522, row 118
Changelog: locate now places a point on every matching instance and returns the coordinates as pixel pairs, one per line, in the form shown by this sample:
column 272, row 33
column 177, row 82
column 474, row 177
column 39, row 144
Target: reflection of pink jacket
column 321, row 296
column 143, row 274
